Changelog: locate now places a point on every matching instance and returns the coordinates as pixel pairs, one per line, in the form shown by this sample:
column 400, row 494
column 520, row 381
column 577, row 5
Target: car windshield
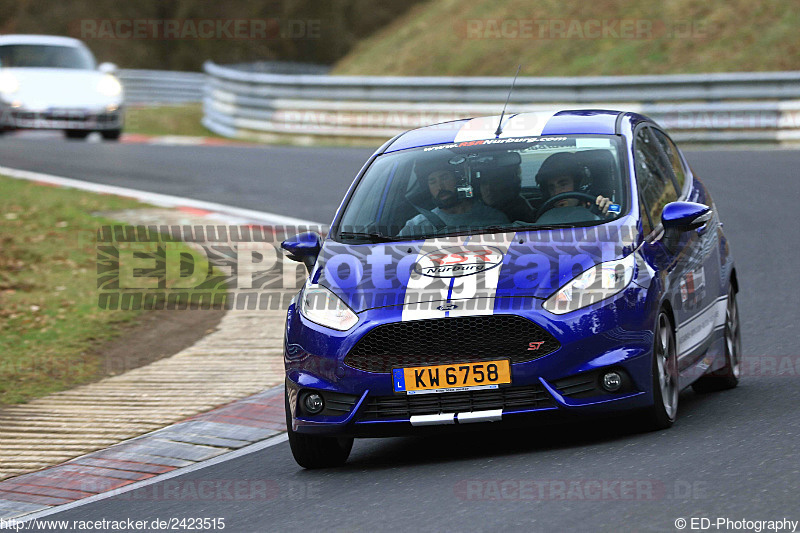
column 482, row 186
column 45, row 56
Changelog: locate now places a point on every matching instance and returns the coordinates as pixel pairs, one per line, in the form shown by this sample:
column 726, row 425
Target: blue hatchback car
column 498, row 271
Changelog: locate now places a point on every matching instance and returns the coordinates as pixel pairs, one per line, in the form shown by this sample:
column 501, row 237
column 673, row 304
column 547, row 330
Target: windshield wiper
column 511, row 228
column 478, row 231
column 371, row 237
column 529, row 227
column 506, row 229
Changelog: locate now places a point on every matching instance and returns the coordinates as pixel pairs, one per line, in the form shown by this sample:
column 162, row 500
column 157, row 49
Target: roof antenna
column 500, row 124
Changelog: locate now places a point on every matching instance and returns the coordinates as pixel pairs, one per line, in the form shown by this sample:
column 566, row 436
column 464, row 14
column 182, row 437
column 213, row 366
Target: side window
column 654, row 179
column 671, row 151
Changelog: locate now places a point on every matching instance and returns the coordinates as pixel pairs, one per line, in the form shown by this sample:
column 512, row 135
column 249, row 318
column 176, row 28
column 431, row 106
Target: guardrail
column 161, row 86
column 695, row 107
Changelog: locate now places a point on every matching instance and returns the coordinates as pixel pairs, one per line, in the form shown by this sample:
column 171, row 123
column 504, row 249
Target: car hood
column 44, row 88
column 523, row 264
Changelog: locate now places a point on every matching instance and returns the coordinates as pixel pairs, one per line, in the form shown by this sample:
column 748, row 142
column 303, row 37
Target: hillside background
column 341, row 24
column 565, row 38
column 450, row 37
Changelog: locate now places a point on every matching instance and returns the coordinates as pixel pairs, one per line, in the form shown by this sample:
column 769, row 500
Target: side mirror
column 107, row 68
column 685, row 216
column 304, row 248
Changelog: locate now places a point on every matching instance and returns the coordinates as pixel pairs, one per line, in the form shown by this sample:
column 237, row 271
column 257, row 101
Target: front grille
column 508, row 398
column 450, row 340
column 79, row 117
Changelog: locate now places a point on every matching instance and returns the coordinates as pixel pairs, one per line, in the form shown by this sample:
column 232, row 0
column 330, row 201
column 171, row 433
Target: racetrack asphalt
column 273, row 179
column 732, row 454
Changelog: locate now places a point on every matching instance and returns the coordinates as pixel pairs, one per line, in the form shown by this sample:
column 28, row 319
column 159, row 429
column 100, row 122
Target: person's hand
column 603, row 204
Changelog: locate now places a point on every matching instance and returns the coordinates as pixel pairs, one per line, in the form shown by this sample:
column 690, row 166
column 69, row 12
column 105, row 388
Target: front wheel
column 76, row 134
column 111, row 135
column 726, row 377
column 313, row 451
column 665, row 377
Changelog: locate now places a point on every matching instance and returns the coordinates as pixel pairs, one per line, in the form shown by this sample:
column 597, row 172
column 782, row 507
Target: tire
column 313, row 451
column 665, row 377
column 76, row 134
column 726, row 377
column 111, row 135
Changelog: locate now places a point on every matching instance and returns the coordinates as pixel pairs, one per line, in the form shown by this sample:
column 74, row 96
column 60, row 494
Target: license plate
column 452, row 378
column 68, row 113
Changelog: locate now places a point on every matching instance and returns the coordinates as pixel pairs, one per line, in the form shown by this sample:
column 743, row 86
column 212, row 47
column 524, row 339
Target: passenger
column 452, row 209
column 500, row 188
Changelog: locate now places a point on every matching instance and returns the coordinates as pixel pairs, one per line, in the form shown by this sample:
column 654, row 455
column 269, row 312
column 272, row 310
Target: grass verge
column 50, row 322
column 167, row 120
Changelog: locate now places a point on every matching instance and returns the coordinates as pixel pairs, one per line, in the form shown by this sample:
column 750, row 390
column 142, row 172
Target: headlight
column 321, row 306
column 597, row 283
column 109, row 86
column 8, row 83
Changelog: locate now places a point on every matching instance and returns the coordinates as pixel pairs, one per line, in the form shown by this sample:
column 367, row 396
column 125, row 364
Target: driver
column 454, row 210
column 562, row 173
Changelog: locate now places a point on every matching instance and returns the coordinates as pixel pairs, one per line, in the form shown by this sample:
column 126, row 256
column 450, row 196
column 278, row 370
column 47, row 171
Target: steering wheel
column 550, row 203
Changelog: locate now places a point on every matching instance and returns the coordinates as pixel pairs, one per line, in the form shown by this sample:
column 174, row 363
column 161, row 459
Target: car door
column 701, row 296
column 685, row 260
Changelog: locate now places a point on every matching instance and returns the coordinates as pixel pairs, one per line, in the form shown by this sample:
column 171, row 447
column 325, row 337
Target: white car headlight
column 594, row 284
column 109, row 86
column 321, row 306
column 8, row 83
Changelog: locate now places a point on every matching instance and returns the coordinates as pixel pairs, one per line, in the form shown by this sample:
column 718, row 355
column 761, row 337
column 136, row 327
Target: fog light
column 612, row 381
column 313, row 403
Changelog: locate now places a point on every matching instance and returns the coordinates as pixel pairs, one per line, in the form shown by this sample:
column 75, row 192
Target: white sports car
column 49, row 82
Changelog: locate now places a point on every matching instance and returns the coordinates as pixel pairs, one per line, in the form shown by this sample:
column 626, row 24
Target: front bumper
column 100, row 119
column 552, row 406
column 563, row 384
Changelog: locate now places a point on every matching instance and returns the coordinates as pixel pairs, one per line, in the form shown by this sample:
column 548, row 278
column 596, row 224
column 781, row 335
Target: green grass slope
column 575, row 38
